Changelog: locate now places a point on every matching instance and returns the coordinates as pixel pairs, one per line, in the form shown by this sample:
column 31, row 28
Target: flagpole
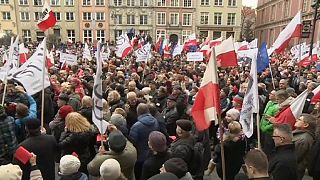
column 274, row 87
column 6, row 75
column 43, row 77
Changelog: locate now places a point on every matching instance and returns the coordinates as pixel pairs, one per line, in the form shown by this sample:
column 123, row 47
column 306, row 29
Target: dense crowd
column 151, row 132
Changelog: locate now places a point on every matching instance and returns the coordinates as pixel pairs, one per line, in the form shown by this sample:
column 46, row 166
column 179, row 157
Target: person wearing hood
column 139, row 134
column 303, row 138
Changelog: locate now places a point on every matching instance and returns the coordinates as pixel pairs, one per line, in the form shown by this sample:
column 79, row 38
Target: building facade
column 273, row 16
column 8, row 17
column 218, row 18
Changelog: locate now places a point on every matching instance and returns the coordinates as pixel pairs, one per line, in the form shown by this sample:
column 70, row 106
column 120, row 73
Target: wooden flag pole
column 274, row 87
column 258, row 131
column 221, row 131
column 43, row 77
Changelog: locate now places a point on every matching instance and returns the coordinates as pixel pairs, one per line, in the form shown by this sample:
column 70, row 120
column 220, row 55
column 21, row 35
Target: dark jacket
column 153, row 163
column 170, row 118
column 79, row 143
column 314, row 160
column 139, row 134
column 283, row 163
column 242, row 176
column 183, row 148
column 75, row 101
column 45, row 147
column 132, row 116
column 76, row 176
column 8, row 140
column 87, row 113
column 115, row 104
column 48, row 105
column 162, row 126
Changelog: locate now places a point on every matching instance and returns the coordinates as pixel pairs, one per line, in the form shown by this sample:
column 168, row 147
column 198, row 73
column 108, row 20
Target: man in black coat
column 282, row 162
column 44, row 146
column 171, row 115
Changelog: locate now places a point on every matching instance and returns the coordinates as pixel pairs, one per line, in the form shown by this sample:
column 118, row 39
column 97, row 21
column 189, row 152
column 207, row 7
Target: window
column 55, row 2
column 86, row 2
column 118, row 19
column 161, row 2
column 231, row 19
column 71, row 33
column 117, row 2
column 69, row 3
column 23, row 2
column 100, row 16
column 4, row 1
column 86, row 16
column 26, row 35
column 217, row 19
column 99, row 2
column 273, row 12
column 40, row 36
column 174, row 19
column 24, row 16
column 70, row 16
column 130, row 2
column 117, row 33
column 87, row 35
column 204, row 18
column 204, row 2
column 174, row 3
column 218, row 2
column 101, row 35
column 161, row 18
column 58, row 16
column 6, row 16
column 232, row 3
column 143, row 2
column 37, row 2
column 186, row 21
column 305, row 5
column 161, row 33
column 228, row 34
column 187, row 3
column 216, row 34
column 143, row 19
column 286, row 8
column 56, row 32
column 185, row 35
column 37, row 15
column 130, row 19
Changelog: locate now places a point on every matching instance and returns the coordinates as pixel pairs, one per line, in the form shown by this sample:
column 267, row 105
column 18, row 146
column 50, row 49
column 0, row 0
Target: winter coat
column 139, row 134
column 48, row 105
column 76, row 176
column 45, row 147
column 153, row 163
column 314, row 161
column 303, row 141
column 187, row 177
column 132, row 116
column 8, row 140
column 183, row 148
column 170, row 118
column 87, row 113
column 162, row 126
column 271, row 109
column 127, row 159
column 115, row 104
column 283, row 163
column 75, row 101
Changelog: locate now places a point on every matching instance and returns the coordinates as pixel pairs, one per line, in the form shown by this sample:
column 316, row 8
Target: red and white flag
column 206, row 50
column 292, row 30
column 50, row 59
column 294, row 111
column 123, row 46
column 226, row 54
column 207, row 102
column 215, row 42
column 22, row 53
column 48, row 19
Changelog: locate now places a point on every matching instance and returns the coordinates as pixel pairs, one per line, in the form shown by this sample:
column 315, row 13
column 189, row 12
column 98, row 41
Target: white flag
column 97, row 113
column 11, row 64
column 251, row 100
column 253, row 44
column 143, row 53
column 86, row 52
column 177, row 50
column 31, row 72
column 123, row 46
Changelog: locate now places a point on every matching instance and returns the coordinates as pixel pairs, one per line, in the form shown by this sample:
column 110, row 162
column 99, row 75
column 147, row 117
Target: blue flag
column 263, row 58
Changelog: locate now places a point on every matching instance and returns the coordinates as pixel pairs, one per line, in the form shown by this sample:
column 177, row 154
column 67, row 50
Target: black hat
column 64, row 97
column 172, row 98
column 177, row 166
column 117, row 141
column 162, row 176
column 184, row 124
column 33, row 124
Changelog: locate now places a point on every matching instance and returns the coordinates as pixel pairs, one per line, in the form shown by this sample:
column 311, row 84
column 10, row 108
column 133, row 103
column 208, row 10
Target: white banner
column 143, row 53
column 69, row 59
column 86, row 52
column 195, row 56
column 177, row 50
column 11, row 64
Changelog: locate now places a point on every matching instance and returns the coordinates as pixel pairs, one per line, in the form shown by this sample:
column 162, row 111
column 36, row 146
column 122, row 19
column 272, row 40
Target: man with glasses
column 282, row 163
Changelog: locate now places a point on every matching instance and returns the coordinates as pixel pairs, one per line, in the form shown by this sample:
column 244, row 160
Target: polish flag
column 48, row 19
column 50, row 59
column 292, row 30
column 294, row 111
column 206, row 50
column 123, row 46
column 239, row 46
column 215, row 42
column 206, row 42
column 22, row 53
column 166, row 49
column 158, row 44
column 207, row 102
column 226, row 54
column 191, row 41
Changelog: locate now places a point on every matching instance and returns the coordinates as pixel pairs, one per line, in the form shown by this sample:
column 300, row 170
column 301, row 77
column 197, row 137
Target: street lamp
column 315, row 6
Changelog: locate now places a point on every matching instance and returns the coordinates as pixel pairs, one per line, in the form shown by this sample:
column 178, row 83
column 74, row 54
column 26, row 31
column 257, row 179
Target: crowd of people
column 151, row 133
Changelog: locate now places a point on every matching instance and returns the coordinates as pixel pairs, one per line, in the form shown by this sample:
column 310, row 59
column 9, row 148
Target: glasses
column 281, row 137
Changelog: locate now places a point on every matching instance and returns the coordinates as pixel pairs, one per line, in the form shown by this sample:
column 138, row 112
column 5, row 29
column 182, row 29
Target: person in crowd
column 160, row 98
column 121, row 150
column 283, row 84
column 158, row 155
column 237, row 102
column 74, row 98
column 110, row 170
column 182, row 100
column 164, row 175
column 171, row 115
column 106, row 110
column 139, row 134
column 114, row 100
column 13, row 96
column 162, row 126
column 68, row 168
column 178, row 167
column 303, row 139
column 76, row 85
column 224, row 100
column 308, row 106
column 131, row 108
column 283, row 161
column 120, row 122
column 86, row 108
column 44, row 146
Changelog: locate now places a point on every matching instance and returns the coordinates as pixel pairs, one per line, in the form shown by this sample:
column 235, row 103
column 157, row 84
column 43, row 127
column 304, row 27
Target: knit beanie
column 117, row 141
column 238, row 99
column 69, row 164
column 110, row 169
column 234, row 113
column 184, row 124
column 158, row 141
column 177, row 166
column 118, row 120
column 65, row 110
column 10, row 171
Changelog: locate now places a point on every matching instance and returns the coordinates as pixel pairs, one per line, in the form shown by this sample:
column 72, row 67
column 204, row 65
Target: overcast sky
column 251, row 3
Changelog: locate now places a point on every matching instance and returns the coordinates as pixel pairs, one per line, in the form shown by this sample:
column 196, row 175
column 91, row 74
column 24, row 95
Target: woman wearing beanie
column 68, row 169
column 157, row 156
column 58, row 123
column 110, row 170
column 77, row 137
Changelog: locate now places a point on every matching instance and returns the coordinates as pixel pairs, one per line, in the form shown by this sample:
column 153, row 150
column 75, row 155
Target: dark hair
column 258, row 159
column 282, row 93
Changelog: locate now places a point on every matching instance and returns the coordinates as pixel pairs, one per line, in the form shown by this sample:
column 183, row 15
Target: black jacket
column 153, row 163
column 283, row 163
column 87, row 113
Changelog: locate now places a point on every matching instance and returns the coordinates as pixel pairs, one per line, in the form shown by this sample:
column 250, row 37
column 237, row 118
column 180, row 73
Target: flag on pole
column 251, row 101
column 207, row 102
column 226, row 54
column 293, row 29
column 86, row 52
column 97, row 110
column 177, row 49
column 11, row 64
column 263, row 58
column 253, row 44
column 23, row 53
column 123, row 46
column 48, row 19
column 143, row 53
column 215, row 42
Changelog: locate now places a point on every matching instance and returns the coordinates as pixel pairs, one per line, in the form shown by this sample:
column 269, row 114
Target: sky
column 251, row 3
